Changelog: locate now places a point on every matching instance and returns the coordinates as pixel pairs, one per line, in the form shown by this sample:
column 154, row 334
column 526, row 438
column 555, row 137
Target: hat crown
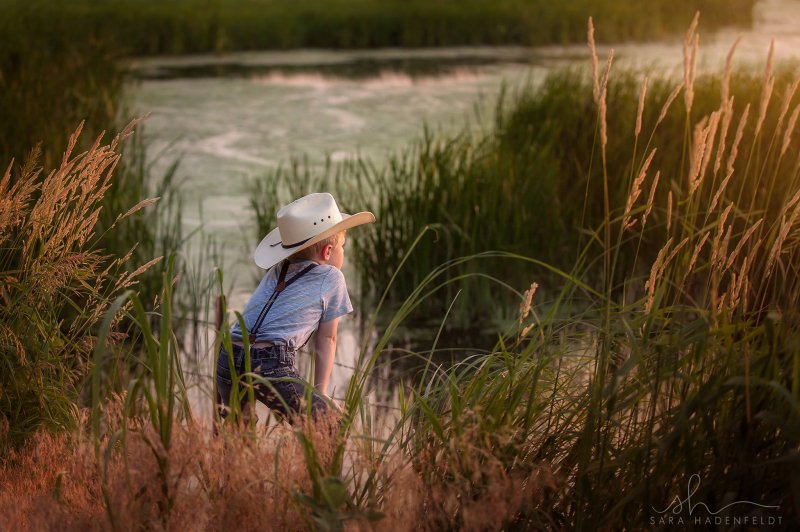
column 307, row 217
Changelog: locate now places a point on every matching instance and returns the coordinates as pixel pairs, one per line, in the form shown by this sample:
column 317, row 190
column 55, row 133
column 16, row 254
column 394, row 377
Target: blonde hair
column 315, row 250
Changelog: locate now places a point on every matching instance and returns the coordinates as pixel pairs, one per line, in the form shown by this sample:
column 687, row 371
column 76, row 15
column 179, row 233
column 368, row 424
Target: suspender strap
column 282, row 285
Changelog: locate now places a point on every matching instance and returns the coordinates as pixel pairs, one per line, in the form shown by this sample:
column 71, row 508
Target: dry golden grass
column 767, row 88
column 595, row 63
column 691, row 43
column 636, row 190
column 640, row 109
column 787, row 136
column 726, row 75
column 650, row 198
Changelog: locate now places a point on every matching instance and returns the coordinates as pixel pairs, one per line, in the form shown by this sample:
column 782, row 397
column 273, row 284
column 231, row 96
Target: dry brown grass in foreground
column 243, row 481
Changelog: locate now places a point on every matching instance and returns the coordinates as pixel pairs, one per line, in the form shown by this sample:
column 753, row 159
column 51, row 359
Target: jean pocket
column 224, row 360
column 265, row 366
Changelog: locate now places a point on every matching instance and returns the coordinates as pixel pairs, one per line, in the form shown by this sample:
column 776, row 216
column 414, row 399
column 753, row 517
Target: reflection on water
column 231, row 117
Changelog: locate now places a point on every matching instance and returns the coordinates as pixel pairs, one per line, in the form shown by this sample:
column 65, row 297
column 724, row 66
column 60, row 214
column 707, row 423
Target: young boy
column 302, row 292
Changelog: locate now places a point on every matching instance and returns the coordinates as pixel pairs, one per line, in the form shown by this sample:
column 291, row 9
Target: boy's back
column 319, row 296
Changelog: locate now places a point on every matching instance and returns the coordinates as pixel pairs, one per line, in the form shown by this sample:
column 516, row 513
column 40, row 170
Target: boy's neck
column 318, row 260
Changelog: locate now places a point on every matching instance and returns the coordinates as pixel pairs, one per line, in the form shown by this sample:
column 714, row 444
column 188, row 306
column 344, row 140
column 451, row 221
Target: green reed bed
column 53, row 75
column 683, row 384
column 535, row 184
column 158, row 232
column 195, row 26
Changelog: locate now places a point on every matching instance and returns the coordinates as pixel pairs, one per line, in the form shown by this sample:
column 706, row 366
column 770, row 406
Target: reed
column 531, row 184
column 642, row 391
column 203, row 26
column 53, row 76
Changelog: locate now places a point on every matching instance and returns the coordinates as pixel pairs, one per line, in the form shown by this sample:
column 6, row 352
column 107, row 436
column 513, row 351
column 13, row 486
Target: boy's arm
column 325, row 347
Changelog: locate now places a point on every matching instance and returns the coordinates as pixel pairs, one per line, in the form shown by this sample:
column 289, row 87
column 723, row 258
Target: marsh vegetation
column 657, row 219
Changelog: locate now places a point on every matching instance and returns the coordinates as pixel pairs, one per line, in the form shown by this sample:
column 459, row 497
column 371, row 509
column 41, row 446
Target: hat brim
column 269, row 251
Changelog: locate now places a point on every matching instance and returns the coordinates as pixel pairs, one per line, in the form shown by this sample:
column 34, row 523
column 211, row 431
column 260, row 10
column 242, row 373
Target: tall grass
column 52, row 76
column 197, row 26
column 56, row 282
column 159, row 232
column 596, row 409
column 535, row 184
column 693, row 372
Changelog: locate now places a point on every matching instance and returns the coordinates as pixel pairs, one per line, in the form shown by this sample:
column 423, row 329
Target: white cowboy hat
column 303, row 223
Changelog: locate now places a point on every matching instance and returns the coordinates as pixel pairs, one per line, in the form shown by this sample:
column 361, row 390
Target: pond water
column 231, row 118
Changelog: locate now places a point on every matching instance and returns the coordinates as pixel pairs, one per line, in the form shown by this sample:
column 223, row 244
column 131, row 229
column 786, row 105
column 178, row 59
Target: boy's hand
column 335, row 405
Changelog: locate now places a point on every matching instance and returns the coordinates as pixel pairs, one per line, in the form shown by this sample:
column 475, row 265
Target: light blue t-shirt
column 320, row 295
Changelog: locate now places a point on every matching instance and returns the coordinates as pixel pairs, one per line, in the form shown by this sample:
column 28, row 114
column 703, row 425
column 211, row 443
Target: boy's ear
column 326, row 252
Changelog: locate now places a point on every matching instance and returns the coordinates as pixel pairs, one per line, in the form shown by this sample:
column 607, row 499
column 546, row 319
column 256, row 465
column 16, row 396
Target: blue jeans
column 276, row 365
